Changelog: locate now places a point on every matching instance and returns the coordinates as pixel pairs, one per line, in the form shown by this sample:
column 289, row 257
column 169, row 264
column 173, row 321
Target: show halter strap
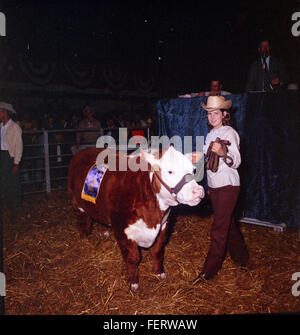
column 212, row 159
column 175, row 190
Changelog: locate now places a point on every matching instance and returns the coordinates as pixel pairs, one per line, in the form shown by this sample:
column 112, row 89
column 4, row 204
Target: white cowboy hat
column 215, row 102
column 8, row 107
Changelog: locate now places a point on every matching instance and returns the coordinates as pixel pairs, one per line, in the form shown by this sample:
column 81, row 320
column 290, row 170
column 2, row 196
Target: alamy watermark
column 2, row 284
column 108, row 155
column 296, row 286
column 2, row 24
column 296, row 26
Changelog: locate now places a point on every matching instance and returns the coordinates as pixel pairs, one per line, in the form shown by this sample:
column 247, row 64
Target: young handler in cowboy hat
column 11, row 149
column 224, row 187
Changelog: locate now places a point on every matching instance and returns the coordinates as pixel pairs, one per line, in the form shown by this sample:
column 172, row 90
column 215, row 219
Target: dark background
column 184, row 44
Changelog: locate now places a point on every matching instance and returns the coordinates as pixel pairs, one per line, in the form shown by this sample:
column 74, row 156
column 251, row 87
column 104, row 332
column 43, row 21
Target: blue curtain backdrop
column 269, row 128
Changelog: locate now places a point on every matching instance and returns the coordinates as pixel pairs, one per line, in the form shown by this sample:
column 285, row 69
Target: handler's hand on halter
column 217, row 148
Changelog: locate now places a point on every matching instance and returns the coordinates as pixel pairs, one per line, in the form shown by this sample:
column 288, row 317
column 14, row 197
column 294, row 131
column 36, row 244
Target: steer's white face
column 173, row 165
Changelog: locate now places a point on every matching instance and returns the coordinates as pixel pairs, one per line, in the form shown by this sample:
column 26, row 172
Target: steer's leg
column 84, row 223
column 157, row 252
column 131, row 255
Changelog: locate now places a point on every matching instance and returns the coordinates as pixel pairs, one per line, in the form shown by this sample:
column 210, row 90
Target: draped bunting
column 114, row 77
column 40, row 73
column 71, row 71
column 268, row 125
column 144, row 85
column 81, row 75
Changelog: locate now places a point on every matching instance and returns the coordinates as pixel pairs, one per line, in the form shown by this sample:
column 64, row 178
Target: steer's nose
column 198, row 192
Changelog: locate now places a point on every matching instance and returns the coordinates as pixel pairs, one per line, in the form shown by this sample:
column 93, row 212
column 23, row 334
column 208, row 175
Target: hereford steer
column 135, row 204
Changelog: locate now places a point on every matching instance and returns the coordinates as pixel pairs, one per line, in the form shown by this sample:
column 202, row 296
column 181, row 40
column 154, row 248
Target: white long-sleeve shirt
column 12, row 137
column 3, row 134
column 225, row 175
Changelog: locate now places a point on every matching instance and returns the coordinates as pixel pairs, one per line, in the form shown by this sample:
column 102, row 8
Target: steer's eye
column 194, row 171
column 170, row 172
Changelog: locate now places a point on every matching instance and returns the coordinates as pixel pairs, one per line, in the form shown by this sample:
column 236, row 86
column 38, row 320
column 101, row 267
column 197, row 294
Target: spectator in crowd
column 139, row 121
column 149, row 122
column 64, row 124
column 89, row 122
column 128, row 125
column 110, row 128
column 67, row 137
column 120, row 121
column 32, row 156
column 215, row 89
column 49, row 122
column 127, row 120
column 110, row 124
column 74, row 122
column 38, row 152
column 138, row 124
column 150, row 125
column 10, row 157
column 27, row 154
column 268, row 73
column 26, row 122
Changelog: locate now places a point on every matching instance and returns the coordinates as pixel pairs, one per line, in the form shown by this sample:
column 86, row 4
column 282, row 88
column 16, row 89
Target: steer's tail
column 70, row 176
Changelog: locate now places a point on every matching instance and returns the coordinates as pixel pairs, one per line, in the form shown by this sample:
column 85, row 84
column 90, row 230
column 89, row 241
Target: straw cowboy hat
column 215, row 102
column 7, row 107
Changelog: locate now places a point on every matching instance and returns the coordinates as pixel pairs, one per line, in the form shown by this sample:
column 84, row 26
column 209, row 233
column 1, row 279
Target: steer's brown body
column 124, row 199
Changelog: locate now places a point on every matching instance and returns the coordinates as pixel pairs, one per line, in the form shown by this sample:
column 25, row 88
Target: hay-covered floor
column 50, row 270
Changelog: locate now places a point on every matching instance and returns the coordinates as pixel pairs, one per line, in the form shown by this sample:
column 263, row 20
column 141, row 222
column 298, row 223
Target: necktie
column 267, row 81
column 265, row 65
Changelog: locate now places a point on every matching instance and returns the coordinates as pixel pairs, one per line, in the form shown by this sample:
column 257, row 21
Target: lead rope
column 212, row 159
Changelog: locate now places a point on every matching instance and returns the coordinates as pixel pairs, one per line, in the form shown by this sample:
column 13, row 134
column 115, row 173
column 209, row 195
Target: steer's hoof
column 106, row 233
column 134, row 287
column 162, row 275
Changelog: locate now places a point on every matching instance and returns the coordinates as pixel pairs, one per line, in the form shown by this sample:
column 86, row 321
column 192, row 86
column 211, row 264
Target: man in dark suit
column 268, row 73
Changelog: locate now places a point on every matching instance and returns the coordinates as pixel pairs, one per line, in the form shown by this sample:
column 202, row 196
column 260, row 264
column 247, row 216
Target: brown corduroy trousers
column 225, row 233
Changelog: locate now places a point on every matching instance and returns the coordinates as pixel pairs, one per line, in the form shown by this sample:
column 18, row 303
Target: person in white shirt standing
column 11, row 149
column 224, row 188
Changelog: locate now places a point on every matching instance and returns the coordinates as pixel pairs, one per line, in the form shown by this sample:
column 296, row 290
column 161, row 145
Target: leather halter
column 175, row 190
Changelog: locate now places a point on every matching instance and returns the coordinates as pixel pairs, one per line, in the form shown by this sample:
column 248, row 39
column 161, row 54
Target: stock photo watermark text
column 296, row 26
column 2, row 284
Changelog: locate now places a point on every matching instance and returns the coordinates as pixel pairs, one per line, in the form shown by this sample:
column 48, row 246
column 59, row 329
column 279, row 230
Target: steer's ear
column 194, row 157
column 150, row 158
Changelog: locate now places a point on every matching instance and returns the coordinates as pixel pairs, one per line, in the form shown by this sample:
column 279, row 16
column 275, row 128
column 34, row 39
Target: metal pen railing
column 40, row 171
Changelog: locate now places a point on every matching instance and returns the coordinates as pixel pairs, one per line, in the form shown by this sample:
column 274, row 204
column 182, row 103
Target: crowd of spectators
column 62, row 145
column 56, row 121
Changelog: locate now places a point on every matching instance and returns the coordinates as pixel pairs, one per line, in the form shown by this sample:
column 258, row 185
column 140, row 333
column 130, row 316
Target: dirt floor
column 50, row 270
